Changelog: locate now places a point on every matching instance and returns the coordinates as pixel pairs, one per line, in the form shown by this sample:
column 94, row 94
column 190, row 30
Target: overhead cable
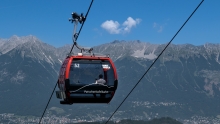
column 154, row 61
column 70, row 52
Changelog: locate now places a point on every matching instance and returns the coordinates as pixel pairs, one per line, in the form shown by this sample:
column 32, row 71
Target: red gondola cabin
column 79, row 79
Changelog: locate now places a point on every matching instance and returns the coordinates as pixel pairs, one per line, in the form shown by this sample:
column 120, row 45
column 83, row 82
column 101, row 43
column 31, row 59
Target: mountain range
column 183, row 84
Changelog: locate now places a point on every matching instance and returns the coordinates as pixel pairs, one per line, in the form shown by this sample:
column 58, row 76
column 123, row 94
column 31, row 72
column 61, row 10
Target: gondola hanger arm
column 75, row 19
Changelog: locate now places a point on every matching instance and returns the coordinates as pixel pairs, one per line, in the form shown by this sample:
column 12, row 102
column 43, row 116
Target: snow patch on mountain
column 212, row 81
column 18, row 77
column 3, row 73
column 59, row 60
column 217, row 58
column 141, row 54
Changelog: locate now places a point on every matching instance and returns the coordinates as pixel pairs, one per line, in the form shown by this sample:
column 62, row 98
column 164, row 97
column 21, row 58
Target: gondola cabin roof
column 88, row 56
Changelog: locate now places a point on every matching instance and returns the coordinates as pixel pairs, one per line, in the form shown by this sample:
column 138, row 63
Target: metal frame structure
column 75, row 19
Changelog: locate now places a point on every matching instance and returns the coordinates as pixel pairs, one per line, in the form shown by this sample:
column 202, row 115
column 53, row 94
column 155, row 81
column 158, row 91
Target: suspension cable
column 48, row 103
column 154, row 61
column 70, row 52
column 81, row 26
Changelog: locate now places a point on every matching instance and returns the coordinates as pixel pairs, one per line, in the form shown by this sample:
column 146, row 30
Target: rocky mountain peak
column 9, row 44
column 14, row 38
column 122, row 48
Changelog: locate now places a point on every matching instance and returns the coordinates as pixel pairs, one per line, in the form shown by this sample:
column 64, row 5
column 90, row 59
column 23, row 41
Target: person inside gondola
column 100, row 80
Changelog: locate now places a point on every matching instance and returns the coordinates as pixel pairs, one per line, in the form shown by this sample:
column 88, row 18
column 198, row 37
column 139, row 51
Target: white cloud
column 158, row 27
column 155, row 25
column 113, row 27
column 129, row 23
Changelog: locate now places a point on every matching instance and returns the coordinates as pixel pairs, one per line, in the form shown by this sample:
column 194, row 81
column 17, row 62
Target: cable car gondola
column 86, row 77
column 78, row 79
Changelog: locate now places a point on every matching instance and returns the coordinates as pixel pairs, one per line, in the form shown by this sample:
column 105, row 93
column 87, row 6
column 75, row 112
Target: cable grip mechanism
column 75, row 19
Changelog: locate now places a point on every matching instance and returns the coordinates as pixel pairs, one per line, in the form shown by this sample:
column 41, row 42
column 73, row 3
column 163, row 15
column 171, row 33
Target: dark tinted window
column 88, row 71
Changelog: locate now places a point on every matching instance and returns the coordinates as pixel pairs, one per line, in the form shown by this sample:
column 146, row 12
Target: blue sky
column 154, row 21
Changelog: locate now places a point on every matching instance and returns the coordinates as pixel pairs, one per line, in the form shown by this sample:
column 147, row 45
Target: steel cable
column 154, row 61
column 81, row 25
column 70, row 52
